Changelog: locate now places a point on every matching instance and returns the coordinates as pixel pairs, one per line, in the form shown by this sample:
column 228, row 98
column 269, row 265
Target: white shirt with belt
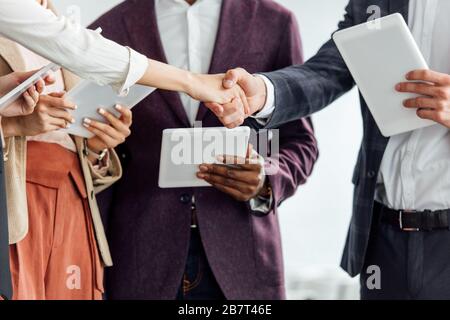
column 188, row 35
column 415, row 170
column 67, row 43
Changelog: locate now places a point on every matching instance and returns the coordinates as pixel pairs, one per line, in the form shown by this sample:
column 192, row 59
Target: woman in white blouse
column 57, row 244
column 91, row 56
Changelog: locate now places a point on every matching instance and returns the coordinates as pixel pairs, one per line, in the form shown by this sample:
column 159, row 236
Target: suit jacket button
column 185, row 198
column 371, row 174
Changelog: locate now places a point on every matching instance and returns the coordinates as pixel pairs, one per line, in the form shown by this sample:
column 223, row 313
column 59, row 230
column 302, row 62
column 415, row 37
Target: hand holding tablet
column 19, row 91
column 241, row 178
column 184, row 150
column 107, row 135
column 379, row 54
column 91, row 97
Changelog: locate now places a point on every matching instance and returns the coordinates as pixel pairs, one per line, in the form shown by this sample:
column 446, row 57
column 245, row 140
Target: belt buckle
column 400, row 221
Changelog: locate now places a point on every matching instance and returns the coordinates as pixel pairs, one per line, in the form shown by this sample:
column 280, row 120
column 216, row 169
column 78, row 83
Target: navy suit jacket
column 305, row 89
column 148, row 227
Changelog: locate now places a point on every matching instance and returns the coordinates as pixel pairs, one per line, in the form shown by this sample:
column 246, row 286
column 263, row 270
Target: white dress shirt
column 188, row 35
column 65, row 42
column 415, row 171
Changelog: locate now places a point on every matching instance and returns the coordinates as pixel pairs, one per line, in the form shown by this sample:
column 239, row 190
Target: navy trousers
column 198, row 282
column 412, row 265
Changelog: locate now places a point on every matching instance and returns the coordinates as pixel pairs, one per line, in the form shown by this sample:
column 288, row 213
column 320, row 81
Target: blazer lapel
column 236, row 20
column 10, row 52
column 143, row 32
column 400, row 6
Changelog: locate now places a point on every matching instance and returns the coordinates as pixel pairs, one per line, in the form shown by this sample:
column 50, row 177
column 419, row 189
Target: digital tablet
column 89, row 97
column 18, row 91
column 183, row 150
column 379, row 54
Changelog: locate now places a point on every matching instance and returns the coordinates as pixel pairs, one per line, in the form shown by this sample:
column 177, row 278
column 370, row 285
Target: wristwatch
column 266, row 191
column 100, row 156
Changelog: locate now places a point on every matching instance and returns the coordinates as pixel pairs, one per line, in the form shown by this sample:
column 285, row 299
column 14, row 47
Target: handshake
column 232, row 97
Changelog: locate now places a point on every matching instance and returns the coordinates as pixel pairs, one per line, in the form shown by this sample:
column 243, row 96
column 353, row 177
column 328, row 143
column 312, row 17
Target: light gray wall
column 315, row 221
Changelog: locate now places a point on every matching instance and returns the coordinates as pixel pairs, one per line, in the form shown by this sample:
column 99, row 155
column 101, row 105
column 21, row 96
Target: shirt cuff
column 269, row 106
column 102, row 167
column 138, row 67
column 261, row 204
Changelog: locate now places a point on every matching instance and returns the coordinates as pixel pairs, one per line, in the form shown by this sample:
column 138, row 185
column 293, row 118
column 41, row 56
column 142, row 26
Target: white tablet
column 89, row 97
column 379, row 54
column 183, row 150
column 18, row 91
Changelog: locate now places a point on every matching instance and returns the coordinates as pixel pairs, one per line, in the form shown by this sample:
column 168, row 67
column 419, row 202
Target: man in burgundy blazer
column 149, row 228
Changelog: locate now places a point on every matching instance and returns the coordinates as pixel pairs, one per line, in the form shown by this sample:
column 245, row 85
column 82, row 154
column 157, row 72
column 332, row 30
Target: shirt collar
column 183, row 2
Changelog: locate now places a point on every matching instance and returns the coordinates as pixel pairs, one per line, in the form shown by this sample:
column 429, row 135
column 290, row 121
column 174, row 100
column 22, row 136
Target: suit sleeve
column 301, row 90
column 293, row 162
column 113, row 173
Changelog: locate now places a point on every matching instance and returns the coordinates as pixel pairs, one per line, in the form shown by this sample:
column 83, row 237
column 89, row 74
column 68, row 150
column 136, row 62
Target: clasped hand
column 432, row 103
column 249, row 97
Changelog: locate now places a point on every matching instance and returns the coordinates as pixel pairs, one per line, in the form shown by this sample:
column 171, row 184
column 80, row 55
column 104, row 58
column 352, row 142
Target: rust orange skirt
column 58, row 259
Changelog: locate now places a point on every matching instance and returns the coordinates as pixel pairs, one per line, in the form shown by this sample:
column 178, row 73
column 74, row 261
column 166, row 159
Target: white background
column 315, row 221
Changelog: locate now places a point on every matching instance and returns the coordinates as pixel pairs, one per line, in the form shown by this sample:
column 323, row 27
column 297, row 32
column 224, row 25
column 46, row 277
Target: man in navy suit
column 399, row 235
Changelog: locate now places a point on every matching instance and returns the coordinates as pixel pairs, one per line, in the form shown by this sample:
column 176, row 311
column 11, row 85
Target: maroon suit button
column 185, row 198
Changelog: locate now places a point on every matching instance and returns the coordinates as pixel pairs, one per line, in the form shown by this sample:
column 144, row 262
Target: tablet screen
column 183, row 150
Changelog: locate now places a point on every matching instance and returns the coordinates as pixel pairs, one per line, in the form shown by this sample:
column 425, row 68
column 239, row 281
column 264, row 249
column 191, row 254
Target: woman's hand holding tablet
column 19, row 91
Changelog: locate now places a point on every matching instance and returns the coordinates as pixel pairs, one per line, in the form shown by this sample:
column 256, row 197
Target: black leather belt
column 410, row 220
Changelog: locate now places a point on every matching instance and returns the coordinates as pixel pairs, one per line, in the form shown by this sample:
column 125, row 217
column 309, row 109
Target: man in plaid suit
column 399, row 238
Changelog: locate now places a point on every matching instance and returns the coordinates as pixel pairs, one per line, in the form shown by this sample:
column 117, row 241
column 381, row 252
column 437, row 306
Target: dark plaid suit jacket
column 306, row 89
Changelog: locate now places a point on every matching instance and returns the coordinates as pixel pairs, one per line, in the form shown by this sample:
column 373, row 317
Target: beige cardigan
column 15, row 166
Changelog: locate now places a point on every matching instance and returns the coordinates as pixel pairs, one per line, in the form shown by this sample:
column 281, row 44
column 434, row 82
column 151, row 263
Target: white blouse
column 64, row 41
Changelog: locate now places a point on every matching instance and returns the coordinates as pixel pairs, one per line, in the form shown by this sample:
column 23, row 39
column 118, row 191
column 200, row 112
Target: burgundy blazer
column 149, row 228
